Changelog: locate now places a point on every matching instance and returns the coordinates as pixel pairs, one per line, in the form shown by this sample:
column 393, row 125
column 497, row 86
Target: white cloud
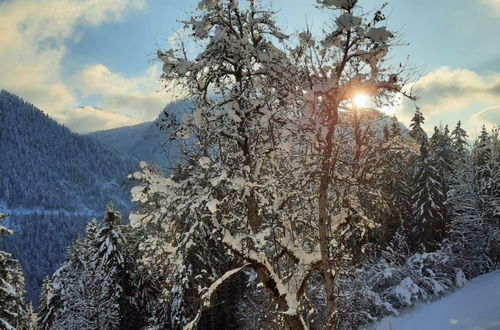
column 138, row 96
column 448, row 95
column 493, row 3
column 84, row 119
column 489, row 116
column 33, row 41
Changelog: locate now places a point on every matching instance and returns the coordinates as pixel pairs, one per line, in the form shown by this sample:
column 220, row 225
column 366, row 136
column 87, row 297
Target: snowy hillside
column 44, row 164
column 52, row 182
column 145, row 141
column 475, row 306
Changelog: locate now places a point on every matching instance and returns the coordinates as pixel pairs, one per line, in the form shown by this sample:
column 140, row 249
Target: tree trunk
column 325, row 254
column 323, row 221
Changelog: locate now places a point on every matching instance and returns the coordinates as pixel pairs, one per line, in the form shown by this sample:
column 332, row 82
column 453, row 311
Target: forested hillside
column 45, row 165
column 147, row 141
column 52, row 182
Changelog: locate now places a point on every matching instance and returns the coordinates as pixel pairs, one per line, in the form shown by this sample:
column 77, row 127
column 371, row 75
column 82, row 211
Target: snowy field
column 474, row 307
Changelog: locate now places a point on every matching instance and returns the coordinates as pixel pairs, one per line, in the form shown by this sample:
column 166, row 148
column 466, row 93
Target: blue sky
column 89, row 63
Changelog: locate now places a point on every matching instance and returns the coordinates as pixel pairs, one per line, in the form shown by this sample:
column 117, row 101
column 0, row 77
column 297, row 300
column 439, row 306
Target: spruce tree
column 459, row 141
column 416, row 130
column 429, row 210
column 441, row 148
column 14, row 313
column 45, row 314
column 468, row 238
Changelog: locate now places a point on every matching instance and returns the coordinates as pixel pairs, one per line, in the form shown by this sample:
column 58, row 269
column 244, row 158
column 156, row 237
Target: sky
column 90, row 64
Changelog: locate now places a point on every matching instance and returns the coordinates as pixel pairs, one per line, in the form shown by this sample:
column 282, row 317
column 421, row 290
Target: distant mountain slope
column 145, row 141
column 52, row 182
column 44, row 164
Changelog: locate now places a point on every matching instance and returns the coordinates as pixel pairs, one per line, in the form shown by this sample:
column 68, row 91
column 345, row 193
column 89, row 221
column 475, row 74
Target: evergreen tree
column 429, row 210
column 416, row 130
column 474, row 230
column 441, row 149
column 87, row 297
column 481, row 151
column 141, row 303
column 486, row 158
column 85, row 292
column 45, row 306
column 459, row 140
column 14, row 313
column 399, row 196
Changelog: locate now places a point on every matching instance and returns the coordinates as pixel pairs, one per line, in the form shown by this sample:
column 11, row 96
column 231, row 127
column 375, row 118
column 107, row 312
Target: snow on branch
column 207, row 296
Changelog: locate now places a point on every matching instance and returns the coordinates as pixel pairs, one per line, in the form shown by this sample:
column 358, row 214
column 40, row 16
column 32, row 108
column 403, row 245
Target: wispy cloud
column 495, row 4
column 489, row 116
column 138, row 97
column 33, row 43
column 447, row 95
column 85, row 119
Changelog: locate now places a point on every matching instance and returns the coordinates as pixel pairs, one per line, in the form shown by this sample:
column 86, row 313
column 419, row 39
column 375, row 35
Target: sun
column 361, row 100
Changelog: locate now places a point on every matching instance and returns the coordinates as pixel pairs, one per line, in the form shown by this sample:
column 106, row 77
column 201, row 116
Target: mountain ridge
column 146, row 141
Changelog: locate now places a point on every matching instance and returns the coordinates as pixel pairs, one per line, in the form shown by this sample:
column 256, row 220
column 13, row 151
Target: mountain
column 146, row 141
column 52, row 181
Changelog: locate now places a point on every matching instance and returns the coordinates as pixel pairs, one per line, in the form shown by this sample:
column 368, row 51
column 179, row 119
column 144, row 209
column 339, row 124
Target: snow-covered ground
column 476, row 306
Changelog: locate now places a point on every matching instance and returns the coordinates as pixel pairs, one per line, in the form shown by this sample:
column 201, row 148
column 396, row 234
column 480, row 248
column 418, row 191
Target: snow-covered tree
column 271, row 135
column 428, row 226
column 46, row 306
column 86, row 292
column 239, row 85
column 443, row 157
column 347, row 62
column 416, row 130
column 460, row 144
column 474, row 232
column 14, row 312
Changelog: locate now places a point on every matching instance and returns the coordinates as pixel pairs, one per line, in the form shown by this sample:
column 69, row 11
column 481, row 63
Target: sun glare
column 361, row 100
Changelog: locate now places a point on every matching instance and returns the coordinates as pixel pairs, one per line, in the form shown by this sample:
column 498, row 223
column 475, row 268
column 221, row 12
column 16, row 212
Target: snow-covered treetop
column 3, row 230
column 416, row 130
column 339, row 4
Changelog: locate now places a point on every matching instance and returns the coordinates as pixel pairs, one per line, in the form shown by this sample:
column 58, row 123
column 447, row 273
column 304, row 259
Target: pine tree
column 85, row 292
column 416, row 130
column 399, row 197
column 14, row 313
column 470, row 228
column 443, row 155
column 46, row 306
column 459, row 138
column 429, row 209
column 481, row 150
column 87, row 297
column 141, row 302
